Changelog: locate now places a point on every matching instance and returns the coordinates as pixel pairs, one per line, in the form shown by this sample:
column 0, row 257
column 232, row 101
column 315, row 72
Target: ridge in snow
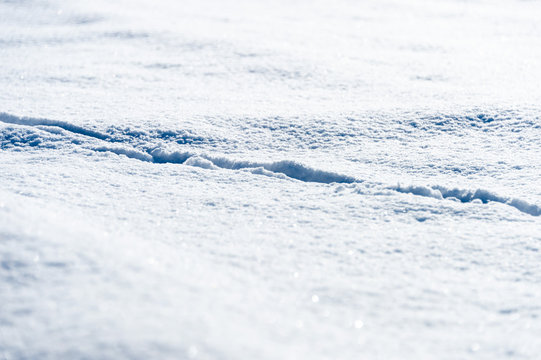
column 281, row 169
column 466, row 196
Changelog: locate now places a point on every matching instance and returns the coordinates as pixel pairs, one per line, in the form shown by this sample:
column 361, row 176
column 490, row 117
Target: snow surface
column 292, row 179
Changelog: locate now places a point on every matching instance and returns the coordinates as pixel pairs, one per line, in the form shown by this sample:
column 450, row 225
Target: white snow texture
column 251, row 179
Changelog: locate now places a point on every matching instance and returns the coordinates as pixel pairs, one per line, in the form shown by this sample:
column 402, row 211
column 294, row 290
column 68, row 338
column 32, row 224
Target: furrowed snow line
column 288, row 168
column 467, row 196
column 11, row 119
column 285, row 169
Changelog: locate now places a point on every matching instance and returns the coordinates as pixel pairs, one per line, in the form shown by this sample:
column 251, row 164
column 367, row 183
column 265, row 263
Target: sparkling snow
column 292, row 179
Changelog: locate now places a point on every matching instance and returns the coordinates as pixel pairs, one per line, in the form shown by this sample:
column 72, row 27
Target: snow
column 270, row 180
column 481, row 195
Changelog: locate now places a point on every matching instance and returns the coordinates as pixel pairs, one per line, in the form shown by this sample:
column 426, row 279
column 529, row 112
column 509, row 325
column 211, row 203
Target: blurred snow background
column 272, row 180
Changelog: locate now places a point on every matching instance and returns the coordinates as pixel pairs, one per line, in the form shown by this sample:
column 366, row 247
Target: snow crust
column 270, row 180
